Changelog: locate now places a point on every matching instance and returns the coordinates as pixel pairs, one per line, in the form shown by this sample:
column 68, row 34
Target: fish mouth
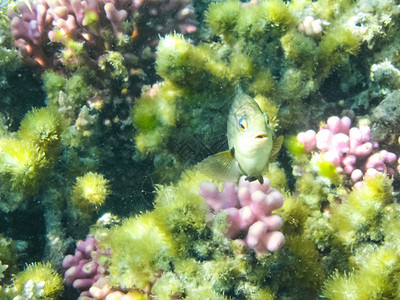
column 260, row 136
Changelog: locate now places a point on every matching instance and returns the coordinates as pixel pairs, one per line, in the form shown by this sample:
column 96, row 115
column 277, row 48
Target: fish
column 28, row 4
column 251, row 143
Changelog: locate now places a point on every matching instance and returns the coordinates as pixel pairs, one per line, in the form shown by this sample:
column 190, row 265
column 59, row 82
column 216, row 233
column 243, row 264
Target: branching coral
column 85, row 267
column 349, row 149
column 249, row 212
column 90, row 28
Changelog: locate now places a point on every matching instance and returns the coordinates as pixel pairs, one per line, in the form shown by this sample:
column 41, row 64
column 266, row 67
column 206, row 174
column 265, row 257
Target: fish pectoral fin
column 253, row 178
column 276, row 146
column 222, row 165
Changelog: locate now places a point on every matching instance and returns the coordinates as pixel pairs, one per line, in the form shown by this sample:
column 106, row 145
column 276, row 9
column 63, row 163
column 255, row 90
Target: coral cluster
column 249, row 208
column 88, row 29
column 173, row 251
column 95, row 55
column 85, row 267
column 310, row 26
column 349, row 235
column 364, row 227
column 86, row 271
column 349, row 149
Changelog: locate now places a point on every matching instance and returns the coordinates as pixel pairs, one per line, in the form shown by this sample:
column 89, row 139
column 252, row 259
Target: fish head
column 251, row 136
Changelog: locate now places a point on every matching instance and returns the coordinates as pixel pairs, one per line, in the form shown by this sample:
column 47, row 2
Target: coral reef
column 93, row 59
column 164, row 262
column 87, row 30
column 84, row 268
column 257, row 45
column 350, row 150
column 106, row 105
column 90, row 78
column 36, row 281
column 249, row 209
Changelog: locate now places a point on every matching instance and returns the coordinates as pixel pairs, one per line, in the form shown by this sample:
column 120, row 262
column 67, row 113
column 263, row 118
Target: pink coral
column 101, row 290
column 348, row 148
column 41, row 28
column 249, row 209
column 83, row 268
column 86, row 272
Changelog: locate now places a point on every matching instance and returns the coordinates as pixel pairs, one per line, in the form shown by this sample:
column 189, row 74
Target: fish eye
column 243, row 123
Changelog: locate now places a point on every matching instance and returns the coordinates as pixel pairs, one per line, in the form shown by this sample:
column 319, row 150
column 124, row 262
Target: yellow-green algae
column 89, row 193
column 259, row 46
column 25, row 158
column 39, row 272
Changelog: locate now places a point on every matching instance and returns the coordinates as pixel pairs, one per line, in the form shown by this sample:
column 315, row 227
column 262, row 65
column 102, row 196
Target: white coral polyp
column 310, row 26
column 31, row 291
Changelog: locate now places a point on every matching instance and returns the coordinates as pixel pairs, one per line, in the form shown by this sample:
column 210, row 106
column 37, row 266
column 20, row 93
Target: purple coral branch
column 249, row 208
column 350, row 149
column 83, row 269
column 43, row 22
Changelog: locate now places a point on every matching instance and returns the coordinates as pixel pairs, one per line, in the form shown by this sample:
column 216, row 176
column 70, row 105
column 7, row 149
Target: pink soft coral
column 348, row 148
column 249, row 210
column 41, row 28
column 83, row 268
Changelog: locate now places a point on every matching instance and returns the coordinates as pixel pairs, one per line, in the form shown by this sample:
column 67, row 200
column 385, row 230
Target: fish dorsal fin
column 222, row 165
column 276, row 146
column 238, row 90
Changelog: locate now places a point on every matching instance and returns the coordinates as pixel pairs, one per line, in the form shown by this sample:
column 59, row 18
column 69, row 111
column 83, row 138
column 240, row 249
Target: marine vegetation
column 141, row 152
column 262, row 46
